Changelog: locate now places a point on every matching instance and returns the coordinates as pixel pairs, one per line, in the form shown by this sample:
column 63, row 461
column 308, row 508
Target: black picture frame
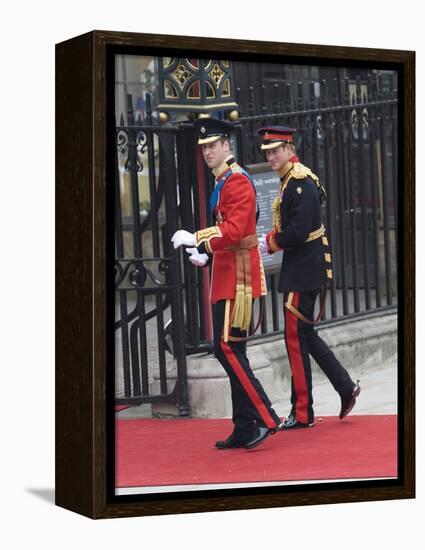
column 83, row 339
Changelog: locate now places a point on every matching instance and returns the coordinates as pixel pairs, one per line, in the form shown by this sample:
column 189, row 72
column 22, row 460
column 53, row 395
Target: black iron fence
column 347, row 135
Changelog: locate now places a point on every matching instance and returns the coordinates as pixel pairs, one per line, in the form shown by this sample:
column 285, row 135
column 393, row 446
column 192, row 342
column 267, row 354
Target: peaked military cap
column 273, row 136
column 212, row 129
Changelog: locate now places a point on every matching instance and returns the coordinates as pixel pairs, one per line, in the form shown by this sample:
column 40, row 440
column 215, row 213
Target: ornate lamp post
column 196, row 86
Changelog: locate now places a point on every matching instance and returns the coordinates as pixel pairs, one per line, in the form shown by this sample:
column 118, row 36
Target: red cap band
column 280, row 137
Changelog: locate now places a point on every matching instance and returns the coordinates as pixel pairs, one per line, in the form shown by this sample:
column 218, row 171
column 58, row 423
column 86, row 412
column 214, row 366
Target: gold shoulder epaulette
column 299, row 172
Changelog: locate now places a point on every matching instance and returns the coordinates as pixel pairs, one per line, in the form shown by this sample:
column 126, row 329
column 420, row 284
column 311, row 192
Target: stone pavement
column 378, row 395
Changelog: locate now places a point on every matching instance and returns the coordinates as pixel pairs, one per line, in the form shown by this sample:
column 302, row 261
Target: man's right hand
column 182, row 237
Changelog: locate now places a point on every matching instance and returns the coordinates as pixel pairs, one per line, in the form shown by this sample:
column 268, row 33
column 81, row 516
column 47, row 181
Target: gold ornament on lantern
column 163, row 117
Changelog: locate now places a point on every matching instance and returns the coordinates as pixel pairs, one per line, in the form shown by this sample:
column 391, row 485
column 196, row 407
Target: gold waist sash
column 242, row 309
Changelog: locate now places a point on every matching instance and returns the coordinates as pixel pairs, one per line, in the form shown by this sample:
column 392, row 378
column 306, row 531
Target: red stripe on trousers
column 296, row 362
column 247, row 385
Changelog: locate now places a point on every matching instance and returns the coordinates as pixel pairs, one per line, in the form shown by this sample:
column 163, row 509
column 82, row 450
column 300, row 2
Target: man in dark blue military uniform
column 306, row 269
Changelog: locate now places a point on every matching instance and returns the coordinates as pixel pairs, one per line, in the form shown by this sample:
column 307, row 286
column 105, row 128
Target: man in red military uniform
column 237, row 278
column 306, row 268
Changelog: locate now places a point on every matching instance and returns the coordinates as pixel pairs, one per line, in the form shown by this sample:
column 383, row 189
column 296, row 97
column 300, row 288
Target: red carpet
column 119, row 408
column 152, row 452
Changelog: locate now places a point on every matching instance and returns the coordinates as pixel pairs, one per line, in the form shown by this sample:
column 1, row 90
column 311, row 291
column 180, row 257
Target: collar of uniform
column 288, row 166
column 285, row 169
column 223, row 167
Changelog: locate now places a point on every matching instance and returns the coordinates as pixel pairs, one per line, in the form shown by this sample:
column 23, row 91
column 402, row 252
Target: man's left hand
column 182, row 237
column 196, row 258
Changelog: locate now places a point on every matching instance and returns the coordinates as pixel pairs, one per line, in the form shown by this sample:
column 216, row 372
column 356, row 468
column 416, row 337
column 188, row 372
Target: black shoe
column 348, row 403
column 291, row 423
column 261, row 434
column 232, row 442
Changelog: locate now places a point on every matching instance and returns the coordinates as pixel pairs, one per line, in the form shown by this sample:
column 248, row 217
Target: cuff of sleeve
column 271, row 242
column 204, row 236
column 205, row 248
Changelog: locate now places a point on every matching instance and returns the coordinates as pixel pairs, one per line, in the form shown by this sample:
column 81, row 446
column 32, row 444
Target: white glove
column 196, row 258
column 262, row 244
column 182, row 237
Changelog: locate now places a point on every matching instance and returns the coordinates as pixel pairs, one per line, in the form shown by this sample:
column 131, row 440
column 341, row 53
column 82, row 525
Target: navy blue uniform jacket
column 305, row 265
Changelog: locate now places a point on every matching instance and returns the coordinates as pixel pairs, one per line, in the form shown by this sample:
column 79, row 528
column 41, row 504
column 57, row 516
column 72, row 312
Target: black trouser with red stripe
column 301, row 341
column 251, row 406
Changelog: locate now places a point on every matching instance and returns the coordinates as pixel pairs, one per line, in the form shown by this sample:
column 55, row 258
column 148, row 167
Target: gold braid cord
column 277, row 221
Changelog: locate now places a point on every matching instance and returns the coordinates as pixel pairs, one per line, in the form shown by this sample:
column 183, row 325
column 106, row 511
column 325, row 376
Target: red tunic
column 236, row 218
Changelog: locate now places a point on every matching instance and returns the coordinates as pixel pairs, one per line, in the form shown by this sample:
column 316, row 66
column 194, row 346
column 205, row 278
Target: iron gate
column 150, row 358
